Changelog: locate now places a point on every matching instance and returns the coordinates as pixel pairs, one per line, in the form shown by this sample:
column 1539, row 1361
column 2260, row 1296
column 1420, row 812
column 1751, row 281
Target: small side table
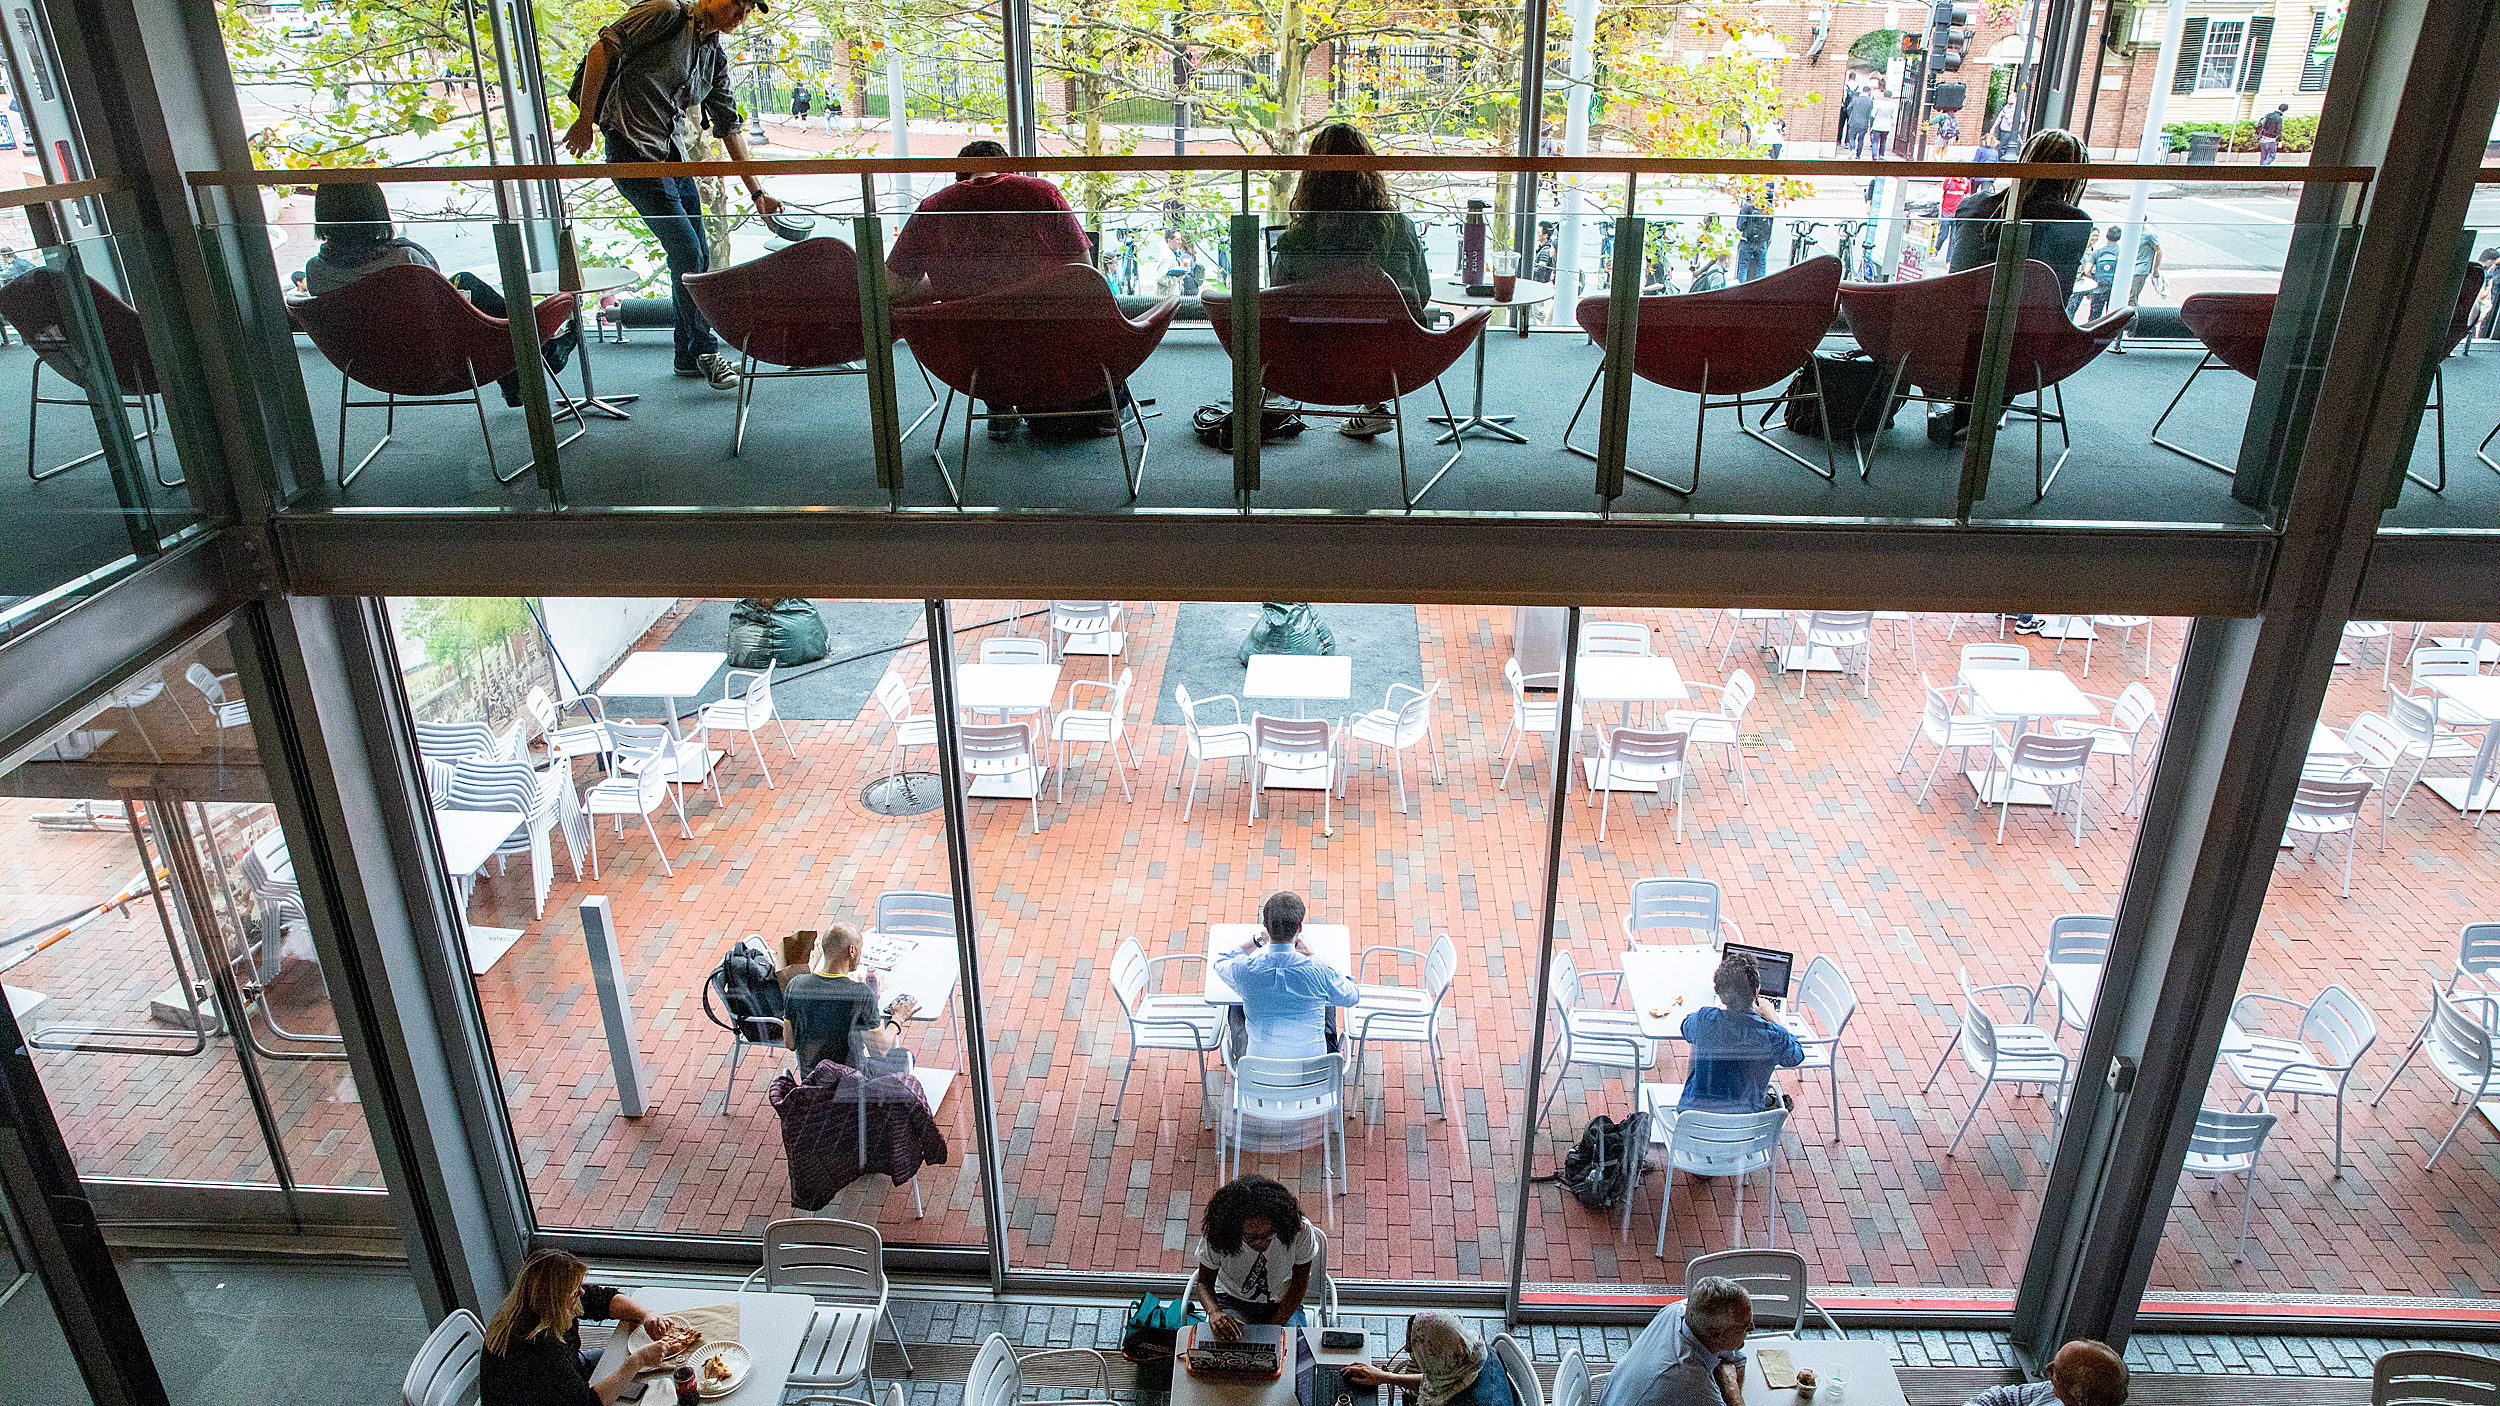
column 1449, row 292
column 596, row 279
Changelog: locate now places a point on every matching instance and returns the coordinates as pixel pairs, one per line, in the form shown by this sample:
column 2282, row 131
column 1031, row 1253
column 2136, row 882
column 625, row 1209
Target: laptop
column 1775, row 965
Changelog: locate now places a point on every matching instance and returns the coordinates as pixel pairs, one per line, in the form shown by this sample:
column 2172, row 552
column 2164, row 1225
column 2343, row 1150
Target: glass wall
column 2375, row 954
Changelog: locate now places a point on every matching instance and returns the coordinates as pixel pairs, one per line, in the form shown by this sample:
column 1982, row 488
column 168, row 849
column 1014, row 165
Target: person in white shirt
column 1886, row 116
column 1255, row 1261
column 1289, row 998
column 1688, row 1355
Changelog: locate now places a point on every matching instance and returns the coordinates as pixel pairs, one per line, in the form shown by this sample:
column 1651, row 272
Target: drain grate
column 904, row 793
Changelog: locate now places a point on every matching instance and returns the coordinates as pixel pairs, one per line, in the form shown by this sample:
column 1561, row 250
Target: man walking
column 1856, row 113
column 1753, row 234
column 2270, row 134
column 2147, row 266
column 657, row 62
column 1885, row 115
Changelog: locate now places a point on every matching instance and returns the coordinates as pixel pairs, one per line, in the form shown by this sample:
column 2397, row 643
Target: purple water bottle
column 1471, row 246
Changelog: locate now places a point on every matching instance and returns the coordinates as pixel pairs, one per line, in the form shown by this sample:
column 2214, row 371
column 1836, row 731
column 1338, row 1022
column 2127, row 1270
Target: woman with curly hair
column 1255, row 1261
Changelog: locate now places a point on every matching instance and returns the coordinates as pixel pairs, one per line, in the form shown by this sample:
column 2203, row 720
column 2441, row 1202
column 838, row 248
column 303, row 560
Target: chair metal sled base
column 2182, row 451
column 145, row 404
column 1134, row 477
column 2040, row 416
column 390, row 406
column 1397, row 416
column 748, row 376
column 1701, row 422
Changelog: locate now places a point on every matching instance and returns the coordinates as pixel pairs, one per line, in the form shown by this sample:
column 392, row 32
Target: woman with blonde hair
column 1451, row 1366
column 1345, row 221
column 534, row 1351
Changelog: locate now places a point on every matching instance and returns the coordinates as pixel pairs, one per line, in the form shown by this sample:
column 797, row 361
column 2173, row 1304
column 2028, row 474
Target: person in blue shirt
column 1289, row 999
column 1688, row 1356
column 1736, row 1048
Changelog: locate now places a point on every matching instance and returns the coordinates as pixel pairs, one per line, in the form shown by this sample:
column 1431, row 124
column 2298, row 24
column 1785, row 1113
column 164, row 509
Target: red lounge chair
column 31, row 303
column 796, row 307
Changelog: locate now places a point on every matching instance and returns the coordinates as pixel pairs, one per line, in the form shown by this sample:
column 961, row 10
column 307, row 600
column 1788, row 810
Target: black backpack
column 747, row 986
column 1602, row 1170
column 1855, row 385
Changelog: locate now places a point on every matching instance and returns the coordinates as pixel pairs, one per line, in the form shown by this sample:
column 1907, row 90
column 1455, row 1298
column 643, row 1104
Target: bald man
column 2083, row 1373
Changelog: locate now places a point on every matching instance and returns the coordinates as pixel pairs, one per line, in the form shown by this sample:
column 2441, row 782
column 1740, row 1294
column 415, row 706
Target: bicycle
column 1801, row 240
column 1857, row 252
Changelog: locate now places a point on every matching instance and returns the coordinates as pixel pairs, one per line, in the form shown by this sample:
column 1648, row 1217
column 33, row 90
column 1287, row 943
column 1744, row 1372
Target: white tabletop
column 926, row 972
column 1666, row 984
column 770, row 1327
column 1299, row 676
column 2480, row 692
column 471, row 837
column 2027, row 693
column 1190, row 1391
column 1524, row 293
column 1005, row 685
column 2325, row 741
column 596, row 278
column 663, row 673
column 1866, row 1367
column 1629, row 678
column 2079, row 986
column 1332, row 943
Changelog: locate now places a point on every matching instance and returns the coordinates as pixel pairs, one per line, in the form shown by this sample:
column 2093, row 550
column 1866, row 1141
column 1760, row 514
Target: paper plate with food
column 719, row 1369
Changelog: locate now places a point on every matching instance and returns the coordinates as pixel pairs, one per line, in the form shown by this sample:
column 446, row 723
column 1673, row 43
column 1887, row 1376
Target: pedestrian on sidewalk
column 1886, row 115
column 1857, row 113
column 2270, row 134
column 799, row 102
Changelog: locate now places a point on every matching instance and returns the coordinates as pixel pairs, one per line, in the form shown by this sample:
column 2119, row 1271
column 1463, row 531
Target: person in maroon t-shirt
column 983, row 233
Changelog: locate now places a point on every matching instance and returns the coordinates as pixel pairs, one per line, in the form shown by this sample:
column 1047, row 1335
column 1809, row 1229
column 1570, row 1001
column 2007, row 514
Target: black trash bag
column 785, row 632
column 1288, row 627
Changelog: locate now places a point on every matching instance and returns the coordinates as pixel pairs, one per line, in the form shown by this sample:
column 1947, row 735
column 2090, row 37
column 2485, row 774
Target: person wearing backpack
column 658, row 62
column 2104, row 267
column 2270, row 134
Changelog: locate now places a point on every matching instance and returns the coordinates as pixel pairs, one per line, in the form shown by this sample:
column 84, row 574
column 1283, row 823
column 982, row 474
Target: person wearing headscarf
column 352, row 219
column 1451, row 1366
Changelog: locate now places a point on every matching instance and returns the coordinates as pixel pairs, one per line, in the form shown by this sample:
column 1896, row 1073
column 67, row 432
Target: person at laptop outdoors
column 1451, row 1366
column 1289, row 998
column 2083, row 1373
column 834, row 1010
column 1256, row 1256
column 1736, row 1047
column 1688, row 1355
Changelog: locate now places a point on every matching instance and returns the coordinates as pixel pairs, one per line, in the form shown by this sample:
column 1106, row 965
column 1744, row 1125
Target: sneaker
column 2027, row 624
column 1003, row 427
column 715, row 369
column 1367, row 426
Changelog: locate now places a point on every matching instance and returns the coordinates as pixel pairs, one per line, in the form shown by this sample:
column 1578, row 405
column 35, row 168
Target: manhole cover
column 906, row 793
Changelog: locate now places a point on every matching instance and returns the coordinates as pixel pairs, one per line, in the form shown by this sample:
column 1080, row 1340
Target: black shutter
column 2191, row 52
column 2313, row 70
column 2260, row 34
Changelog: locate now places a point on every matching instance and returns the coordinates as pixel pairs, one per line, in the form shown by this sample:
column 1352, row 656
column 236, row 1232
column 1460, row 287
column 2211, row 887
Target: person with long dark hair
column 1256, row 1256
column 1344, row 221
column 534, row 1351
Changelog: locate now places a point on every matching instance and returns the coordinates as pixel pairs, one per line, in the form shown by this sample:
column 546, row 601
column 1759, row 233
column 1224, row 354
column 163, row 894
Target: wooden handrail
column 24, row 196
column 1584, row 165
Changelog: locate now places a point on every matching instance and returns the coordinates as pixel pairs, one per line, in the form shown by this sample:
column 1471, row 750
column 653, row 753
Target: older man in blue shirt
column 1735, row 1048
column 1288, row 999
column 1688, row 1356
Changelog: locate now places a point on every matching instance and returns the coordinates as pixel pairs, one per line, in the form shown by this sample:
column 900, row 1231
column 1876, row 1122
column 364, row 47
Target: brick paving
column 1830, row 854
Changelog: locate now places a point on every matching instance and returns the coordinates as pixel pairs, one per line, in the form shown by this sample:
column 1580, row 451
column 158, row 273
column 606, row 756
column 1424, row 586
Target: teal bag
column 1153, row 1330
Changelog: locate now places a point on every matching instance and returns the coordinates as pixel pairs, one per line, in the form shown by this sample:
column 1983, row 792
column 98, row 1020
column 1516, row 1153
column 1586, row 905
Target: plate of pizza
column 678, row 1344
column 720, row 1369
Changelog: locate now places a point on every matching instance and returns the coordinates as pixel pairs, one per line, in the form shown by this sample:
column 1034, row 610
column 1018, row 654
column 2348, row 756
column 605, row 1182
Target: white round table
column 1450, row 292
column 595, row 279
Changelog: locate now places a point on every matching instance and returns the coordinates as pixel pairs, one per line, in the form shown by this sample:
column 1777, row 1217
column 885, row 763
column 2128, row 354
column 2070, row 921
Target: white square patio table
column 1331, row 943
column 1300, row 677
column 668, row 675
column 1865, row 1367
column 2480, row 692
column 997, row 687
column 1192, row 1391
column 470, row 838
column 1666, row 984
column 1626, row 679
column 926, row 970
column 2078, row 988
column 770, row 1328
column 2021, row 697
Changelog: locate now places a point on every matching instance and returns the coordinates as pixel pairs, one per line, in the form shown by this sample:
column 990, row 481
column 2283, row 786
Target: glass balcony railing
column 1791, row 343
column 85, row 372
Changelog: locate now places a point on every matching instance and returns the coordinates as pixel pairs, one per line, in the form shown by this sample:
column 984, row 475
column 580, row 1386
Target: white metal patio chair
column 545, row 801
column 646, row 755
column 1163, row 1022
column 840, row 1264
column 1395, row 726
column 2052, row 763
column 2317, row 1061
column 2130, row 713
column 566, row 741
column 224, row 709
column 1775, row 1280
column 2002, row 1053
column 1086, row 627
column 997, row 1375
column 1724, row 728
column 1711, row 1145
column 1822, row 1003
column 1678, row 905
column 1305, row 747
column 2360, row 631
column 457, row 742
column 2226, row 1143
column 1000, row 751
column 747, row 712
column 445, row 1370
column 1208, row 742
column 1290, row 1091
column 2126, row 626
column 2436, row 662
column 1904, row 632
column 2478, row 956
column 1571, row 1380
column 1541, row 714
column 1518, row 1367
column 2323, row 808
column 1947, row 731
column 2435, row 1377
column 752, row 1032
column 1106, row 727
column 1592, row 1035
column 2462, row 1050
column 1404, row 1015
column 905, row 729
column 915, row 914
column 2078, row 951
column 1011, row 649
column 2421, row 720
column 1641, row 756
column 1736, row 620
column 1841, row 631
column 1613, row 637
column 1993, row 655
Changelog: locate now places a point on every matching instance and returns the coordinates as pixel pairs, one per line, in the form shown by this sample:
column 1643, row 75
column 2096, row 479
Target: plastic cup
column 1505, row 268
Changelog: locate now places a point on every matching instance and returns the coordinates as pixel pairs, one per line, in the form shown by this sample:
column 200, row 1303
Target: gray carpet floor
column 1206, row 641
column 274, row 1334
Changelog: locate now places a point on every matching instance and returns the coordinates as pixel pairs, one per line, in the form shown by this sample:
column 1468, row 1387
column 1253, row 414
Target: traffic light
column 1952, row 34
column 1947, row 97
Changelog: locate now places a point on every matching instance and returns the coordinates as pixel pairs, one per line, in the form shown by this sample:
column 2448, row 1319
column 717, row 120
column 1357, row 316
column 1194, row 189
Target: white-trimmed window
column 2218, row 67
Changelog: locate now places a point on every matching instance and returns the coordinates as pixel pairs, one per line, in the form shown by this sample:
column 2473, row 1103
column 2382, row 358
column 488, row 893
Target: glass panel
column 534, row 716
column 77, row 520
column 40, row 1365
column 2402, row 1224
column 2444, row 486
column 1105, row 932
column 1822, row 818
